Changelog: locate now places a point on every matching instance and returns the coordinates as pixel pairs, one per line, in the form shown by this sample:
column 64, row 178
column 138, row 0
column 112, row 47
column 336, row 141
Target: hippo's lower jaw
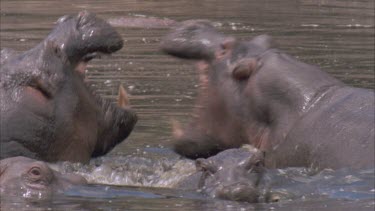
column 115, row 124
column 114, row 121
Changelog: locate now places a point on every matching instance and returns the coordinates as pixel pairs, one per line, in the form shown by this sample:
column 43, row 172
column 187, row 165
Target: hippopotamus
column 233, row 174
column 253, row 93
column 47, row 110
column 33, row 179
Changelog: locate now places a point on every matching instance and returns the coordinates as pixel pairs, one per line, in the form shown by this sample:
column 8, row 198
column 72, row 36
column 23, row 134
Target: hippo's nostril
column 82, row 18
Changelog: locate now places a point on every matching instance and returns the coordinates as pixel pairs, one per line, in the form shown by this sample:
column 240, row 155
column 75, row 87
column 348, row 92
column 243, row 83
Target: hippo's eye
column 35, row 171
column 258, row 163
column 38, row 176
column 205, row 165
column 40, row 173
column 258, row 167
column 254, row 165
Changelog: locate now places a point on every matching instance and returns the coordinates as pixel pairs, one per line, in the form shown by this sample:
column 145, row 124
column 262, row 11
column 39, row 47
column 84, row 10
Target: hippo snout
column 82, row 36
column 241, row 191
column 103, row 32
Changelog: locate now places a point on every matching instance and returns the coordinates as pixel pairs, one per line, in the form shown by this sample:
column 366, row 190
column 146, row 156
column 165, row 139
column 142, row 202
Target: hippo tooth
column 176, row 128
column 123, row 100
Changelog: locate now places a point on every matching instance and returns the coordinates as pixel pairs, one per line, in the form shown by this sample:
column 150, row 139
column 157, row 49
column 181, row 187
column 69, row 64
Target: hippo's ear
column 225, row 48
column 243, row 69
column 196, row 39
column 2, row 168
column 205, row 165
column 264, row 41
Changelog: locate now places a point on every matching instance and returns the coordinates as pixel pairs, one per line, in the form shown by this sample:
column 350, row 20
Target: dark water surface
column 337, row 35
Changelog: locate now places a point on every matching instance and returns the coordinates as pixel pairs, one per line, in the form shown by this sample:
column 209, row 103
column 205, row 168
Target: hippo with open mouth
column 47, row 111
column 252, row 93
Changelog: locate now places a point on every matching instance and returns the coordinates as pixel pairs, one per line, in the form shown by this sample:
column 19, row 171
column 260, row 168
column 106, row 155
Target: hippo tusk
column 177, row 129
column 123, row 100
column 81, row 68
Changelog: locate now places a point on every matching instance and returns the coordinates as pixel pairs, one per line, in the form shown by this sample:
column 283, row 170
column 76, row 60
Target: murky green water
column 337, row 35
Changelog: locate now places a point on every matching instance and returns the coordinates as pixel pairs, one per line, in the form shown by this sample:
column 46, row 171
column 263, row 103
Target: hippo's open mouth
column 51, row 112
column 74, row 42
column 82, row 66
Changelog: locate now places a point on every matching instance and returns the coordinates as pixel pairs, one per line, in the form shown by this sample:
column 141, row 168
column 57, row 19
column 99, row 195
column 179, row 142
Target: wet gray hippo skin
column 47, row 111
column 234, row 174
column 253, row 93
column 29, row 178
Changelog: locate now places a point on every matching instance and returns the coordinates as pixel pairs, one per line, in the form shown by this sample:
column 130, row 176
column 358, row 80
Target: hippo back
column 343, row 123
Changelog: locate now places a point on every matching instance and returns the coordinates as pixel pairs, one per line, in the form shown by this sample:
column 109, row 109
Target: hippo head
column 253, row 93
column 47, row 110
column 233, row 174
column 32, row 179
column 224, row 65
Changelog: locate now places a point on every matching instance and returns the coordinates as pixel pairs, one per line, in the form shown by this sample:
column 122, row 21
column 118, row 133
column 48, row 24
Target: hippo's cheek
column 36, row 95
column 35, row 100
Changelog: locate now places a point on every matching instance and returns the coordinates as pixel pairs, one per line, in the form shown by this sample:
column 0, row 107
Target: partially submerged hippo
column 32, row 179
column 47, row 112
column 234, row 174
column 253, row 93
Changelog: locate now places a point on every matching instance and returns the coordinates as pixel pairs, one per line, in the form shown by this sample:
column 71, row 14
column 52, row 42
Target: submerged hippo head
column 32, row 179
column 47, row 111
column 233, row 174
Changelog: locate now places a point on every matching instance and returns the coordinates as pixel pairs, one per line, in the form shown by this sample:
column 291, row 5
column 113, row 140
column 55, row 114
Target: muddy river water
column 337, row 35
